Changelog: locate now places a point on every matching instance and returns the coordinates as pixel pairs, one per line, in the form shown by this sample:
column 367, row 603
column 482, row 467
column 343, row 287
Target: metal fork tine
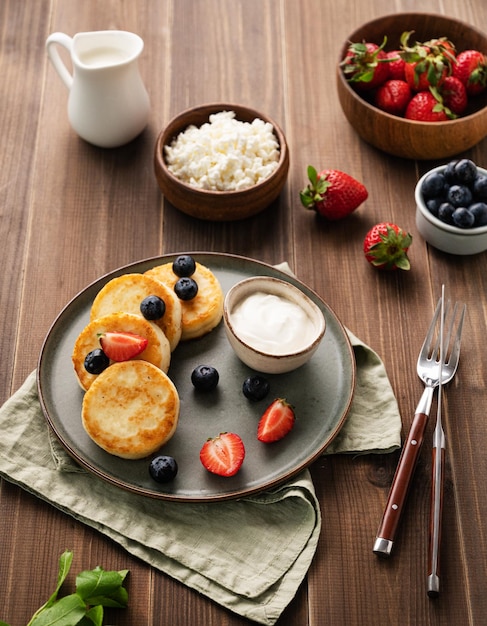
column 426, row 350
column 455, row 351
column 447, row 330
column 435, row 353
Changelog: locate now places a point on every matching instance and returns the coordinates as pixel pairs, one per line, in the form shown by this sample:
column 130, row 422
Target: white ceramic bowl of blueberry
column 272, row 326
column 451, row 207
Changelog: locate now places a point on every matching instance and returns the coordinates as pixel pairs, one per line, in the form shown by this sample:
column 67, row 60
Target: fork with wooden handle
column 429, row 372
column 438, row 470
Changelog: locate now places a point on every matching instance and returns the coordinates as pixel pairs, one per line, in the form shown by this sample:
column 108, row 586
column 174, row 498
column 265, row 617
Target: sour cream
column 272, row 324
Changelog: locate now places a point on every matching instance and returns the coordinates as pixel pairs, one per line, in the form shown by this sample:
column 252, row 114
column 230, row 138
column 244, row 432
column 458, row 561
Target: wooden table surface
column 70, row 212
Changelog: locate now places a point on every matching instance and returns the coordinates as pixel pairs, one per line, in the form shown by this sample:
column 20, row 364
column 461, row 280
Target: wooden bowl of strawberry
column 415, row 85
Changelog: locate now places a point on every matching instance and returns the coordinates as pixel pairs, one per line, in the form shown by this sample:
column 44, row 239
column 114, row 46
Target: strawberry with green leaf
column 386, row 246
column 427, row 64
column 428, row 106
column 454, row 95
column 332, row 193
column 366, row 65
column 471, row 69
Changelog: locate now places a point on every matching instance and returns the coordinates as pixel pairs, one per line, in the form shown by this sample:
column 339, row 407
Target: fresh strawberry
column 421, row 75
column 427, row 64
column 396, row 65
column 120, row 346
column 366, row 65
column 443, row 46
column 454, row 94
column 276, row 422
column 386, row 246
column 393, row 96
column 223, row 455
column 425, row 107
column 471, row 69
column 332, row 193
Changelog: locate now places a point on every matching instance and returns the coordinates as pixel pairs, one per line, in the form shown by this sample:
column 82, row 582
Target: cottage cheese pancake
column 157, row 352
column 131, row 409
column 125, row 293
column 205, row 310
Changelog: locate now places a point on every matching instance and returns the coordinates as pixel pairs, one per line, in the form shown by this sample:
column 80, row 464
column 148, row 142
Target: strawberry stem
column 316, row 189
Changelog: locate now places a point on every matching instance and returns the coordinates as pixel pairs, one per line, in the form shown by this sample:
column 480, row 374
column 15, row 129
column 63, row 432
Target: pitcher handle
column 53, row 53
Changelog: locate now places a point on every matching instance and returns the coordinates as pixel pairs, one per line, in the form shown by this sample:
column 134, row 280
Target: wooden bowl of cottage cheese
column 221, row 162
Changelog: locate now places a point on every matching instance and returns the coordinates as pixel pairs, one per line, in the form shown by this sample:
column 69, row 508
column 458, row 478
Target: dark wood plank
column 22, row 86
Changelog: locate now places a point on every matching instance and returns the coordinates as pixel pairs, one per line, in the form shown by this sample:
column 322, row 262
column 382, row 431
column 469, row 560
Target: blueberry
column 152, row 308
column 445, row 212
column 255, row 388
column 205, row 377
column 184, row 265
column 459, row 195
column 433, row 204
column 463, row 217
column 480, row 187
column 449, row 172
column 433, row 185
column 163, row 468
column 479, row 211
column 465, row 171
column 186, row 288
column 96, row 361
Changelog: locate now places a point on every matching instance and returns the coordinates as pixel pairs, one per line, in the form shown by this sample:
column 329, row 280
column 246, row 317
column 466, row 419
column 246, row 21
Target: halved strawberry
column 121, row 346
column 277, row 420
column 223, row 455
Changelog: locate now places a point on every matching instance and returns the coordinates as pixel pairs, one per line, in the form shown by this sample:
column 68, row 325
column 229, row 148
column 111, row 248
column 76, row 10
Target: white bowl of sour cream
column 272, row 326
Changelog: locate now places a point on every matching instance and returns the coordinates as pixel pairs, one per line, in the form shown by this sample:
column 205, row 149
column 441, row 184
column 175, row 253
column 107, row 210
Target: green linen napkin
column 249, row 555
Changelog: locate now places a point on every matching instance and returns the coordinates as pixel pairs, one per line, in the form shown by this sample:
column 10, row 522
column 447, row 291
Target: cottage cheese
column 224, row 154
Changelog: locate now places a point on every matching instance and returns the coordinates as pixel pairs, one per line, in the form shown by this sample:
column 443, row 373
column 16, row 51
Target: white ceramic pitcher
column 108, row 104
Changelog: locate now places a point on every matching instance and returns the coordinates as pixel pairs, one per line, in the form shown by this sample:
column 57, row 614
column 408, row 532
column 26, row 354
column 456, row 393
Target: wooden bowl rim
column 208, row 109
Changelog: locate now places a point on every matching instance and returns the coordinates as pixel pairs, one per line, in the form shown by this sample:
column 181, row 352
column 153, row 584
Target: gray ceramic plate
column 321, row 392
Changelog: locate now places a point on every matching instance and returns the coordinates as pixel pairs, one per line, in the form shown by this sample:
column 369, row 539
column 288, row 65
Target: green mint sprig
column 95, row 589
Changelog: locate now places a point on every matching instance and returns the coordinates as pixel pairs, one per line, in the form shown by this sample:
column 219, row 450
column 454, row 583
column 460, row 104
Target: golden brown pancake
column 201, row 314
column 125, row 293
column 157, row 352
column 131, row 409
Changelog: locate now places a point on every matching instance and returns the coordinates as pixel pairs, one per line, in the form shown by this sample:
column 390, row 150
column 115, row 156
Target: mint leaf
column 67, row 611
column 64, row 566
column 95, row 589
column 116, row 600
column 65, row 561
column 98, row 586
column 93, row 617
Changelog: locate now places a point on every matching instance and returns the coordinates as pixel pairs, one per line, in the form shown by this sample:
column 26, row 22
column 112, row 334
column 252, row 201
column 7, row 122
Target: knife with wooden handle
column 438, row 478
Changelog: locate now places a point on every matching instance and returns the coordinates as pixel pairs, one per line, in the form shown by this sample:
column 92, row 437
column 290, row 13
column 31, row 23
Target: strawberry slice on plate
column 223, row 455
column 276, row 422
column 122, row 346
